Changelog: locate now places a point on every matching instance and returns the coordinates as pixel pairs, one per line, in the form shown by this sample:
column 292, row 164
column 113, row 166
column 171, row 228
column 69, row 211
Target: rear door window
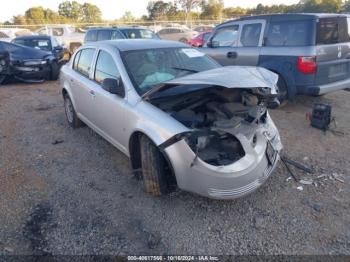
column 91, row 36
column 85, row 60
column 250, row 35
column 104, row 35
column 116, row 35
column 289, row 33
column 327, row 31
column 226, row 36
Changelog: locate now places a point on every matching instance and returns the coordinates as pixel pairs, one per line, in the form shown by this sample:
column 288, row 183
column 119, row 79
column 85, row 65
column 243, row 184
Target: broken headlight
column 215, row 148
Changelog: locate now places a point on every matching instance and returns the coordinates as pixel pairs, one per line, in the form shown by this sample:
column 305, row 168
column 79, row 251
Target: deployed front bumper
column 230, row 181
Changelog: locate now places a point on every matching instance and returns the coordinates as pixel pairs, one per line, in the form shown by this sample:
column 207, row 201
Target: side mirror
column 114, row 86
column 58, row 48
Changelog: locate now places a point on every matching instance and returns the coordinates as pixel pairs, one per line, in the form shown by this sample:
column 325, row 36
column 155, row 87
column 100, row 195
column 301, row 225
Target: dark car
column 29, row 64
column 309, row 52
column 4, row 64
column 112, row 33
column 43, row 42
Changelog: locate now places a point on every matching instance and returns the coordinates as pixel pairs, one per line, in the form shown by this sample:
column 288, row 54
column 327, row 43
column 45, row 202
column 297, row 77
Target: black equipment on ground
column 321, row 116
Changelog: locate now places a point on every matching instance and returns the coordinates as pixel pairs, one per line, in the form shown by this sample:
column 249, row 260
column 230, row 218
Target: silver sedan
column 183, row 120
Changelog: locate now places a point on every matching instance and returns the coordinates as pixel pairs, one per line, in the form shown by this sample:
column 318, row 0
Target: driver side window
column 226, row 36
column 105, row 67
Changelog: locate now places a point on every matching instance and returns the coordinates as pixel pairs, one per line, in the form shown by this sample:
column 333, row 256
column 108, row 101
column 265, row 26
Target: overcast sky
column 111, row 9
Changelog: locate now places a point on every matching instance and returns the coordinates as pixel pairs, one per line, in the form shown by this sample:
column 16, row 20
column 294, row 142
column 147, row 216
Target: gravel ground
column 65, row 191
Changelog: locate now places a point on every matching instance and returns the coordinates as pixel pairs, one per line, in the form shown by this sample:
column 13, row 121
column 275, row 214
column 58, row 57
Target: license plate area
column 337, row 70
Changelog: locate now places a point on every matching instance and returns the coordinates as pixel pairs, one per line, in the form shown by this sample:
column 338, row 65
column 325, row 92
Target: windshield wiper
column 186, row 69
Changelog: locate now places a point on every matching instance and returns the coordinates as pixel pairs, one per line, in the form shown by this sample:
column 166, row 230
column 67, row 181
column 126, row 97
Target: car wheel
column 153, row 168
column 2, row 79
column 55, row 71
column 183, row 40
column 71, row 115
column 282, row 91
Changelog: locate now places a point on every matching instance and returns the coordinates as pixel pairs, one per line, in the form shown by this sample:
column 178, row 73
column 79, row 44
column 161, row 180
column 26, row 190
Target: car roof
column 39, row 37
column 293, row 16
column 136, row 44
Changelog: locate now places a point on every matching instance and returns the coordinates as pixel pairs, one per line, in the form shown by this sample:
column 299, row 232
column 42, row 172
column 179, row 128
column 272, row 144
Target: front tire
column 282, row 91
column 71, row 115
column 55, row 71
column 154, row 168
column 2, row 79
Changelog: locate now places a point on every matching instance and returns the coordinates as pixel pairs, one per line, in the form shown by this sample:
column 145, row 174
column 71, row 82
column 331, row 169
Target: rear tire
column 71, row 115
column 282, row 91
column 153, row 168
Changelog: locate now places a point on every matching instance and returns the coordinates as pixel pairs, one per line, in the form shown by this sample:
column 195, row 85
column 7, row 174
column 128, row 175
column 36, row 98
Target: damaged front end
column 231, row 145
column 223, row 123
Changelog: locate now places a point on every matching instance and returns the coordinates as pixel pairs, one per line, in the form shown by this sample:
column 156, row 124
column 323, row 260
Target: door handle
column 92, row 92
column 232, row 55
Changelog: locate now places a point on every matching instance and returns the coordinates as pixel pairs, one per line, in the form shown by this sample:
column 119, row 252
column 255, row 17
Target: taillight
column 307, row 64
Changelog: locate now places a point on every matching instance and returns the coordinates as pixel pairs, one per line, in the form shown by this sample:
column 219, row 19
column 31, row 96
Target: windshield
column 136, row 33
column 43, row 44
column 149, row 68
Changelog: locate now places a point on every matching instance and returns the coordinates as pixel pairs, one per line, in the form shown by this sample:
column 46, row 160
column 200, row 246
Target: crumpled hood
column 232, row 77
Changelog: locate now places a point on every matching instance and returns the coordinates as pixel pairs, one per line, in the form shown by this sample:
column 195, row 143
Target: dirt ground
column 65, row 191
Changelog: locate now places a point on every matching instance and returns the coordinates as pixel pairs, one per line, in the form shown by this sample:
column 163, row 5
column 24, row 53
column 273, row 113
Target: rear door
column 250, row 42
column 333, row 50
column 223, row 44
column 80, row 82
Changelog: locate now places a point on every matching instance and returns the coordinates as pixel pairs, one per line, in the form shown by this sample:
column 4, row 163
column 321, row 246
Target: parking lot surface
column 65, row 191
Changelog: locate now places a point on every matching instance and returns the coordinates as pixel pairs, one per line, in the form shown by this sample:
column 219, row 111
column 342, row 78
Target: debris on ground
column 56, row 142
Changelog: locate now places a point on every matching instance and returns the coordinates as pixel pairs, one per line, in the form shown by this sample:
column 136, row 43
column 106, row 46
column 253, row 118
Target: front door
column 223, row 45
column 108, row 109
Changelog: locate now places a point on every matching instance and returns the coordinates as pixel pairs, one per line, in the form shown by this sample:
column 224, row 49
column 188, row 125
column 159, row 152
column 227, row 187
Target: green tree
column 159, row 10
column 71, row 10
column 212, row 9
column 91, row 13
column 35, row 15
column 188, row 6
column 128, row 17
column 230, row 12
column 321, row 6
column 19, row 20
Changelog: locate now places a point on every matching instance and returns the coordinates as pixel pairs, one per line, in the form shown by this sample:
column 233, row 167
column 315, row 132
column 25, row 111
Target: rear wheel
column 154, row 168
column 282, row 91
column 71, row 115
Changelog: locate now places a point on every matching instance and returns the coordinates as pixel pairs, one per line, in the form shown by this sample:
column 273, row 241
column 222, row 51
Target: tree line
column 176, row 10
column 215, row 9
column 68, row 12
